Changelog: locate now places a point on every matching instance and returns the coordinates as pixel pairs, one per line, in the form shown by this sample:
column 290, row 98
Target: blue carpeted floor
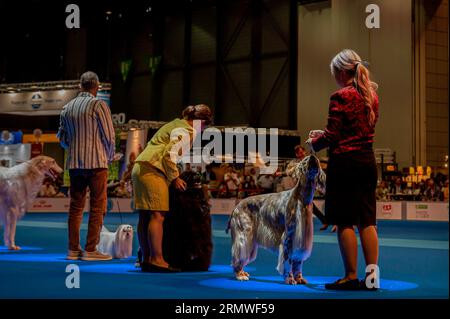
column 413, row 264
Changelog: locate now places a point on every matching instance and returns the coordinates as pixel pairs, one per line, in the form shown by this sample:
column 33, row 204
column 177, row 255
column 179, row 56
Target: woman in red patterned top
column 352, row 173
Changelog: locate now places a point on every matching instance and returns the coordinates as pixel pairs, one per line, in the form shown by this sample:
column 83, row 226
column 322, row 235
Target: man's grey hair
column 89, row 80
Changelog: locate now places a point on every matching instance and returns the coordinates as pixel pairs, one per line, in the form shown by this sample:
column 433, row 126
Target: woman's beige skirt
column 150, row 188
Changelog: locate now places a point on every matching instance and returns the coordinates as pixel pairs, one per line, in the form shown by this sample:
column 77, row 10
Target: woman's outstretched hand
column 179, row 184
column 315, row 133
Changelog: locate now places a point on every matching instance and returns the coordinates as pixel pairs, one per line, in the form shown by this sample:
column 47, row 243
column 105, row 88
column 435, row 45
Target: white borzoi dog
column 279, row 221
column 19, row 186
column 118, row 244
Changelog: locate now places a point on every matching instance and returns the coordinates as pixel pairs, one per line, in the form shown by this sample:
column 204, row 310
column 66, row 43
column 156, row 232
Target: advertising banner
column 389, row 210
column 35, row 103
column 431, row 211
column 11, row 155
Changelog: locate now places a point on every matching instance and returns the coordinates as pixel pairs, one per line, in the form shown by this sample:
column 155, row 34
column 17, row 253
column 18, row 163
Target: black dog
column 187, row 240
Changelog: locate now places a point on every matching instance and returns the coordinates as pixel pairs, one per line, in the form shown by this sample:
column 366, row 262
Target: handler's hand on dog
column 309, row 147
column 315, row 133
column 179, row 184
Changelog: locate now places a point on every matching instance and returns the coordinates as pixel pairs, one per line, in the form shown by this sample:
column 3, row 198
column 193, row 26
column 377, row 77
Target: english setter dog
column 278, row 221
column 19, row 186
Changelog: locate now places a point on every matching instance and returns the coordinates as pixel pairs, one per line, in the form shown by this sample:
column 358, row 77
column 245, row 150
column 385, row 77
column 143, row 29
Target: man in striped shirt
column 86, row 132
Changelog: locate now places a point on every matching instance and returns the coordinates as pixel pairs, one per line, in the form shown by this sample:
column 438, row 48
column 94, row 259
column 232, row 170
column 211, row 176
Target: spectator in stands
column 208, row 175
column 249, row 187
column 254, row 175
column 127, row 174
column 265, row 181
column 382, row 191
column 417, row 191
column 398, row 187
column 121, row 190
column 300, row 152
column 231, row 179
column 47, row 189
column 432, row 192
column 222, row 191
column 445, row 191
column 277, row 177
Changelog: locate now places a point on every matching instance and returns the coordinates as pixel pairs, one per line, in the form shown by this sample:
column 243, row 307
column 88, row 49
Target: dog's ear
column 118, row 241
column 294, row 169
column 321, row 181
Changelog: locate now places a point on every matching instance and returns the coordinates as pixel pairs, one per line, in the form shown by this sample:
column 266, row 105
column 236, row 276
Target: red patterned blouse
column 348, row 128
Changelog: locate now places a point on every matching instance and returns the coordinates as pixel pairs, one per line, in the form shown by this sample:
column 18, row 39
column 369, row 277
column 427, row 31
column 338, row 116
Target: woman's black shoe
column 145, row 267
column 363, row 286
column 159, row 269
column 344, row 285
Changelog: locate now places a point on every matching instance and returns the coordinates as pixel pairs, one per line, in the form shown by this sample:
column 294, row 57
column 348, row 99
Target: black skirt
column 350, row 190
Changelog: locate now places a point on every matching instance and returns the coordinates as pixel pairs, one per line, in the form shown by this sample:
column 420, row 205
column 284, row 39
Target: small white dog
column 118, row 244
column 19, row 186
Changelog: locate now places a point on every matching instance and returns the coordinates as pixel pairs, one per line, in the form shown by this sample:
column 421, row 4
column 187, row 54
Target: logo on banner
column 36, row 101
column 422, row 211
column 387, row 210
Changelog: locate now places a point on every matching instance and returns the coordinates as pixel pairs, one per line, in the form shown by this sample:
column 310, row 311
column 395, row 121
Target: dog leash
column 120, row 211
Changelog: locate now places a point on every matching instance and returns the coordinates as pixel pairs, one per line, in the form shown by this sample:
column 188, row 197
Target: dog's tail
column 227, row 230
column 228, row 226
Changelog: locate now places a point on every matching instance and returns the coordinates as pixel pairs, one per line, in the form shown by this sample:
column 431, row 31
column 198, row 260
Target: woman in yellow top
column 154, row 170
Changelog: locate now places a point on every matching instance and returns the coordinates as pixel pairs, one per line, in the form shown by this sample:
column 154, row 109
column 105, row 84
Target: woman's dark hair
column 198, row 112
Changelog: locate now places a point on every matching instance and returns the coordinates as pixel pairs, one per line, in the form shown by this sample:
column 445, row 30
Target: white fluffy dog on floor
column 279, row 221
column 19, row 186
column 118, row 244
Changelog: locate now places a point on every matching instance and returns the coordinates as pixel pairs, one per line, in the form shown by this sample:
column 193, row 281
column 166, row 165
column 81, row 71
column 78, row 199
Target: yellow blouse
column 166, row 145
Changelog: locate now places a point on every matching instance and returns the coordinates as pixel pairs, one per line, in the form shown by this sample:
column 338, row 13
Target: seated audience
column 231, row 179
column 382, row 191
column 47, row 189
column 432, row 192
column 398, row 187
column 445, row 191
column 265, row 181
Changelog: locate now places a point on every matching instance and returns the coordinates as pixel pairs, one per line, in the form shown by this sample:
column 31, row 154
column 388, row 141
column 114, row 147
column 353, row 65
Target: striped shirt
column 86, row 131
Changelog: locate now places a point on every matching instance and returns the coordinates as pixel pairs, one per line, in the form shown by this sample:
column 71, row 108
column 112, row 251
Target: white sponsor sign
column 389, row 210
column 52, row 205
column 431, row 211
column 36, row 103
column 61, row 205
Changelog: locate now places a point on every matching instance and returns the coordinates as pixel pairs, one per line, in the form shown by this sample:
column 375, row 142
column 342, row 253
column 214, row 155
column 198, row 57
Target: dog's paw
column 299, row 279
column 13, row 247
column 242, row 276
column 290, row 280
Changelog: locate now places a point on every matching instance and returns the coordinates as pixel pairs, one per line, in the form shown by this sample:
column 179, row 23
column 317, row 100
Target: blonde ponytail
column 348, row 61
column 365, row 87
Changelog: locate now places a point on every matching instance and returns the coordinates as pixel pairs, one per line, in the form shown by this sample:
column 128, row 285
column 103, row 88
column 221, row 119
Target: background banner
column 35, row 103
